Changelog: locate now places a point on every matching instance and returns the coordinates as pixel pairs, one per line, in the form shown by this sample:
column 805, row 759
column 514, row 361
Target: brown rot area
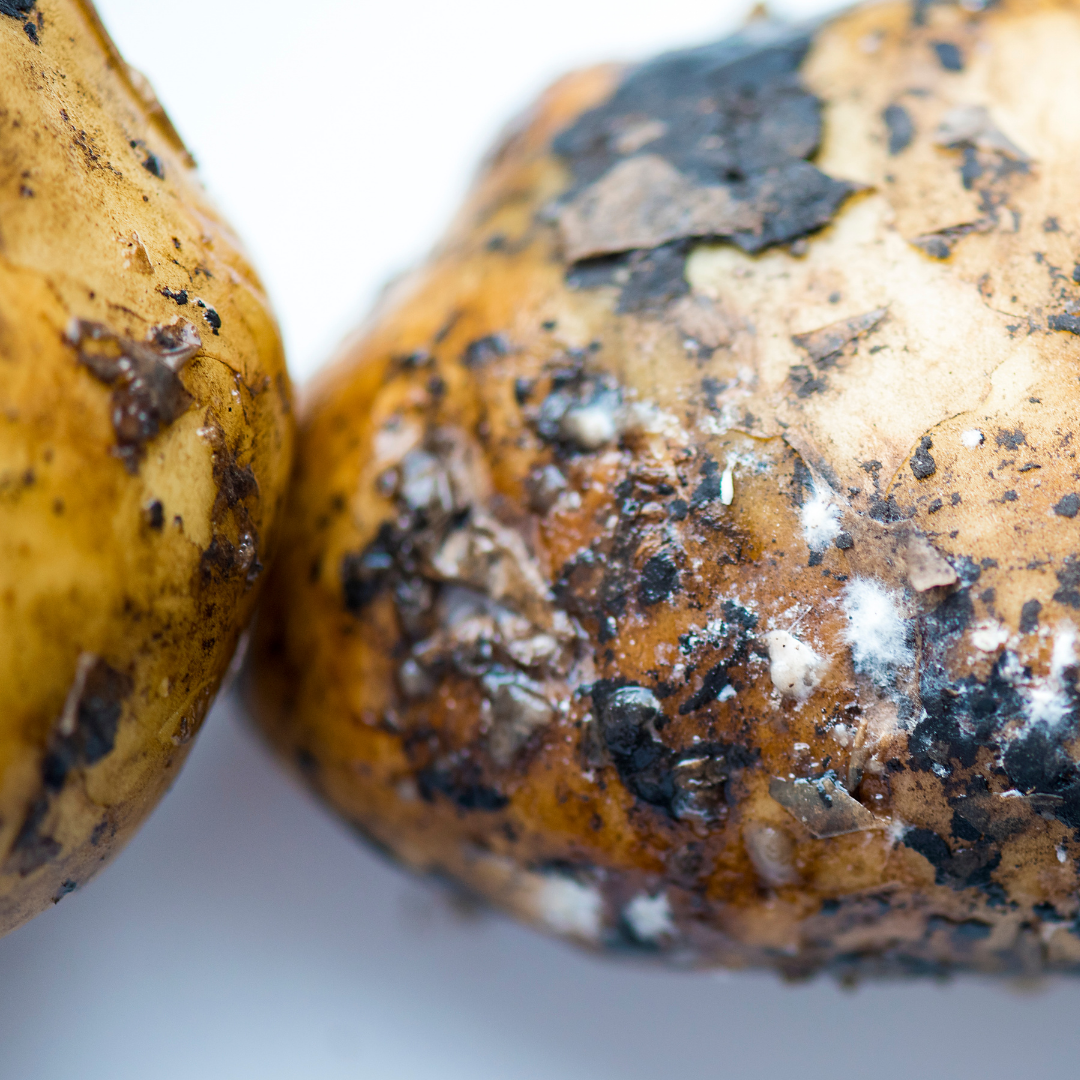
column 145, row 376
column 686, row 559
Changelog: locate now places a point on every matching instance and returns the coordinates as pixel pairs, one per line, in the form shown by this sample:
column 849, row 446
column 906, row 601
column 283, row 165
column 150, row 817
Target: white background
column 244, row 933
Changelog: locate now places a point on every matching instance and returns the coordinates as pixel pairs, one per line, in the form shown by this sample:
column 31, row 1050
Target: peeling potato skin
column 131, row 542
column 808, row 542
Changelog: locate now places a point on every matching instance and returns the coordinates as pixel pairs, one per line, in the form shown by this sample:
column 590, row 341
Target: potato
column 145, row 445
column 685, row 558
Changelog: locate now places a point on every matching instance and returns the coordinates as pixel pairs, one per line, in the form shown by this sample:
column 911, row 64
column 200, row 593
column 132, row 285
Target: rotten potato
column 145, row 447
column 686, row 557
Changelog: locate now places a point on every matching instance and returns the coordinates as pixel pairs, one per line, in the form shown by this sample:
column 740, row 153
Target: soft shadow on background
column 244, row 933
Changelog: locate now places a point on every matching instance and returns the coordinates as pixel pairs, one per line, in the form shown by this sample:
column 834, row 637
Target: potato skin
column 715, row 598
column 140, row 488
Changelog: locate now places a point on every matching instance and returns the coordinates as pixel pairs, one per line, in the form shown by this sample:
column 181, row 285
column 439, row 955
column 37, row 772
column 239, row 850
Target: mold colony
column 683, row 558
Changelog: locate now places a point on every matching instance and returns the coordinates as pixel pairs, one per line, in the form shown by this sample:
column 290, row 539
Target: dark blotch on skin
column 1069, row 323
column 732, row 115
column 691, row 780
column 1029, row 617
column 97, row 716
column 1036, row 762
column 465, row 791
column 482, row 351
column 901, row 128
column 16, row 8
column 1069, row 580
column 32, row 848
column 922, row 463
column 1067, row 506
column 648, row 280
column 365, row 574
column 949, row 56
column 805, row 381
column 147, row 392
column 1010, row 440
column 962, row 869
column 659, row 579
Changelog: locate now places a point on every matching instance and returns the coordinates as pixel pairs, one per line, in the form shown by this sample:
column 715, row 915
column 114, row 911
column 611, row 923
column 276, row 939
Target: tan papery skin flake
column 145, row 445
column 718, row 598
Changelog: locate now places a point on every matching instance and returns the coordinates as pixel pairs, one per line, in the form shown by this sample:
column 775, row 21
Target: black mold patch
column 709, row 488
column 33, row 847
column 961, row 716
column 147, row 392
column 484, row 350
column 922, row 463
column 149, row 161
column 1010, row 440
column 900, row 126
column 364, row 575
column 86, row 732
column 732, row 123
column 1068, row 323
column 684, row 783
column 599, row 581
column 738, row 628
column 463, row 789
column 648, row 280
column 1069, row 580
column 659, row 579
column 1036, row 763
column 949, row 56
column 1068, row 505
column 83, row 736
column 962, row 869
column 1029, row 616
column 16, row 8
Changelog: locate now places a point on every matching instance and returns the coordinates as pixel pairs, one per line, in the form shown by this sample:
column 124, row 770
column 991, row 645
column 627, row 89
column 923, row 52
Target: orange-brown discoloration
column 768, row 591
column 130, row 542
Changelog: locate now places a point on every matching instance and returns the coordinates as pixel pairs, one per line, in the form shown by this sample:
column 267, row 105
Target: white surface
column 245, row 934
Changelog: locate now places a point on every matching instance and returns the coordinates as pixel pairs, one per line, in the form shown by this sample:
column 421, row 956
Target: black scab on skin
column 732, row 116
column 962, row 869
column 1067, row 506
column 949, row 56
column 738, row 628
column 1010, row 440
column 922, row 463
column 17, row 9
column 93, row 734
column 659, row 579
column 149, row 161
column 1069, row 580
column 461, row 787
column 687, row 781
column 648, row 280
column 481, row 352
column 85, row 734
column 900, row 126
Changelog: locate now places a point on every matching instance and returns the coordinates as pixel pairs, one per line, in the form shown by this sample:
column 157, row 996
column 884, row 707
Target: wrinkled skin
column 692, row 578
column 143, row 456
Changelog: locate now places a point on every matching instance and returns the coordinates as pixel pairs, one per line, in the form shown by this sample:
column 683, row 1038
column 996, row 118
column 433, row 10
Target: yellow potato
column 145, row 443
column 686, row 557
